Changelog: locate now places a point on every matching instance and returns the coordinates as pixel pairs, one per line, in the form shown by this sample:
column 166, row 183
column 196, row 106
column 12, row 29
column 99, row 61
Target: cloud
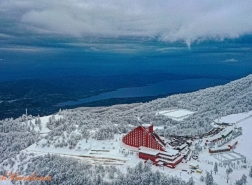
column 5, row 36
column 231, row 60
column 164, row 20
column 26, row 49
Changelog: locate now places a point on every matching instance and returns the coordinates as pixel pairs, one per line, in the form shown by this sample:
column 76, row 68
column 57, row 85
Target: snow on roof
column 184, row 151
column 169, row 151
column 227, row 130
column 219, row 148
column 173, row 161
column 193, row 164
column 182, row 146
column 160, row 163
column 223, row 132
column 149, row 150
column 178, row 158
column 171, row 158
column 176, row 114
column 214, row 137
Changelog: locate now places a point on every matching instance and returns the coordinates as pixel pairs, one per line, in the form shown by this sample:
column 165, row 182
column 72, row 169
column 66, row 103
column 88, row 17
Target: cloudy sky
column 41, row 21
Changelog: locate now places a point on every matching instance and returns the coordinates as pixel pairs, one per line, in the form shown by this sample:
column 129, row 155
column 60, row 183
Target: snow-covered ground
column 245, row 141
column 243, row 120
column 114, row 152
column 206, row 161
column 244, row 147
column 44, row 121
column 176, row 114
column 105, row 152
column 234, row 118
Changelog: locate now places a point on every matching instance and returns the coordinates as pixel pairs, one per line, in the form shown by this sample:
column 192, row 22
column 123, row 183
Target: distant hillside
column 209, row 104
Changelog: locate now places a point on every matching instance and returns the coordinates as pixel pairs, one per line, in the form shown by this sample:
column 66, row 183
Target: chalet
column 199, row 171
column 223, row 123
column 219, row 149
column 181, row 147
column 228, row 148
column 189, row 142
column 193, row 166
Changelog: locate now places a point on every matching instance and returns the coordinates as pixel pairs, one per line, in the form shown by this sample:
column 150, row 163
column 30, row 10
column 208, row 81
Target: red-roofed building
column 152, row 147
column 144, row 136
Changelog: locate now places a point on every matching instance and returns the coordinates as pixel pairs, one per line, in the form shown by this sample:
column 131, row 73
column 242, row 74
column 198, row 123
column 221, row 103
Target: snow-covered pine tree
column 209, row 179
column 241, row 181
column 244, row 179
column 190, row 182
column 215, row 167
column 147, row 165
column 228, row 171
column 250, row 172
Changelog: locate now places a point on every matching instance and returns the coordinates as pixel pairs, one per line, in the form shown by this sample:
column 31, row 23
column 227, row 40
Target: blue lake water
column 110, row 69
column 161, row 88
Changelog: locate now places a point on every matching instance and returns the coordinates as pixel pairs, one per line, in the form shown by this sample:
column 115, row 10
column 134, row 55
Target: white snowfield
column 176, row 114
column 114, row 152
column 234, row 118
column 245, row 141
column 243, row 120
column 105, row 152
column 204, row 161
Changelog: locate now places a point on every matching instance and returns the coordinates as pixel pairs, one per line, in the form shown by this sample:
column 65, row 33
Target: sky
column 30, row 25
column 126, row 39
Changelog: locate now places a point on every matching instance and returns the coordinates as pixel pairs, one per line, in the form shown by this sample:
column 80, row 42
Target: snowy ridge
column 92, row 137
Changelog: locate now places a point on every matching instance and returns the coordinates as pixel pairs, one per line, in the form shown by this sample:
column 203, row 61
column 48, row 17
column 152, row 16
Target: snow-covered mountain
column 82, row 132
